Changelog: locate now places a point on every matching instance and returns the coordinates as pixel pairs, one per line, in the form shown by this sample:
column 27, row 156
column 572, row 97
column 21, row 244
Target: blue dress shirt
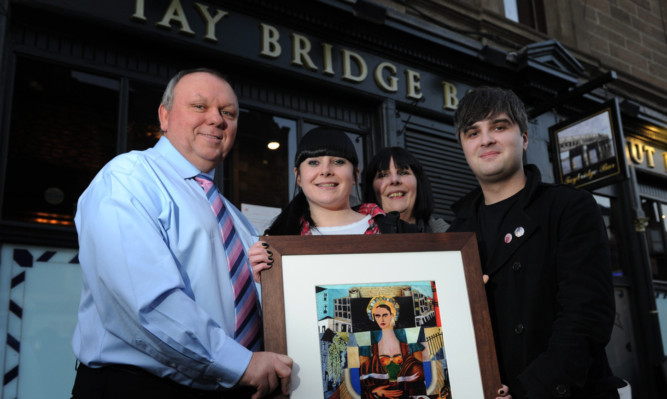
column 156, row 289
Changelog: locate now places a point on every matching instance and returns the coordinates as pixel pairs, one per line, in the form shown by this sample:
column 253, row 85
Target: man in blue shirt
column 157, row 315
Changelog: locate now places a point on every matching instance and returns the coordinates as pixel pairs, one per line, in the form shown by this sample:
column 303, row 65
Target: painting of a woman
column 390, row 367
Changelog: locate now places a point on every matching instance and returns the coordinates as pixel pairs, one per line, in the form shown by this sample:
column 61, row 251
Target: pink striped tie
column 247, row 321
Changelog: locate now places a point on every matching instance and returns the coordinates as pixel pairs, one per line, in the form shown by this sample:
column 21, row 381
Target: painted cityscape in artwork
column 381, row 340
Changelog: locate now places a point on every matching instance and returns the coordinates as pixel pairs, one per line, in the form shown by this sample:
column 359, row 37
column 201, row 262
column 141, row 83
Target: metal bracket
column 572, row 93
column 640, row 224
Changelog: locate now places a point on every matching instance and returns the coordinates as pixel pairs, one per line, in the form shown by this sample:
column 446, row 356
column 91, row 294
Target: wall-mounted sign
column 245, row 39
column 588, row 150
column 647, row 157
column 308, row 55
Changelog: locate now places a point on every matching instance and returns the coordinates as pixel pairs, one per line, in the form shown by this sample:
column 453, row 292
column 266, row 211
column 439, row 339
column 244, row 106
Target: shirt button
column 518, row 329
column 561, row 390
column 516, row 266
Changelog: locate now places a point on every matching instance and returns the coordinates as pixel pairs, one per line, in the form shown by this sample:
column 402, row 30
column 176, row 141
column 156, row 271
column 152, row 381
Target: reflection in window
column 63, row 130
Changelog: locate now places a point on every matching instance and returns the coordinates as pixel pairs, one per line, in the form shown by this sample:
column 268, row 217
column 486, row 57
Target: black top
column 489, row 219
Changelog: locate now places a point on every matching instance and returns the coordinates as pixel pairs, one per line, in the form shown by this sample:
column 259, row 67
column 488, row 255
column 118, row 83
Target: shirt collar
column 184, row 168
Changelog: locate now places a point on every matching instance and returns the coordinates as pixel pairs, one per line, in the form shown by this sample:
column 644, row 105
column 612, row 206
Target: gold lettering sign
column 348, row 57
column 300, row 49
column 175, row 13
column 328, row 59
column 449, row 92
column 353, row 66
column 391, row 85
column 413, row 85
column 139, row 14
column 647, row 157
column 270, row 46
column 210, row 21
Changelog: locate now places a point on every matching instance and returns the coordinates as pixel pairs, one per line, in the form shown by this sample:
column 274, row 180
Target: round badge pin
column 519, row 231
column 508, row 238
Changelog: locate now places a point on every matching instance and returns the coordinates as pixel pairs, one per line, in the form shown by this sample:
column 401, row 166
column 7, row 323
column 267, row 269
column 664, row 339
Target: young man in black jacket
column 546, row 252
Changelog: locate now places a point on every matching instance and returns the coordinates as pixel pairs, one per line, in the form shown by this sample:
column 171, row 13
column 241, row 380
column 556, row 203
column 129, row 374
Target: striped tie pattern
column 247, row 321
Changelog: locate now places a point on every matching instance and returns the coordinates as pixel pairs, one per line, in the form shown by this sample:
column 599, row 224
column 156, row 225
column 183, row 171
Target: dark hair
column 322, row 141
column 484, row 102
column 318, row 142
column 424, row 204
column 386, row 307
column 168, row 95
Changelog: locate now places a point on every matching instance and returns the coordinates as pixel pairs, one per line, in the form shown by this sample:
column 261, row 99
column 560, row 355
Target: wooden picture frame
column 588, row 151
column 450, row 260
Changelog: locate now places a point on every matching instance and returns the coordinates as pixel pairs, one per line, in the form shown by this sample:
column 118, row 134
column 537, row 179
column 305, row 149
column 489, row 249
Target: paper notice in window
column 260, row 216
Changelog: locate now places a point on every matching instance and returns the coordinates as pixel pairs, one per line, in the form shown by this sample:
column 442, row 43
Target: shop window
column 63, row 129
column 610, row 216
column 143, row 125
column 656, row 237
column 527, row 12
column 40, row 298
column 256, row 170
column 66, row 124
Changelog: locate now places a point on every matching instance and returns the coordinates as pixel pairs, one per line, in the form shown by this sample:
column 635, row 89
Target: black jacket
column 391, row 223
column 550, row 292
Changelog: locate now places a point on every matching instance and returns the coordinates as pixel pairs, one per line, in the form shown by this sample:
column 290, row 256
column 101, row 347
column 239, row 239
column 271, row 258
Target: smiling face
column 326, row 181
column 396, row 190
column 203, row 119
column 494, row 149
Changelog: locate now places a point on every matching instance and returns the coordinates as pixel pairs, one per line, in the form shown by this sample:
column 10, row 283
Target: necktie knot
column 204, row 181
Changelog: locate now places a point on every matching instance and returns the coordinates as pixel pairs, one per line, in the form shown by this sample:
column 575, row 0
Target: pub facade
column 82, row 81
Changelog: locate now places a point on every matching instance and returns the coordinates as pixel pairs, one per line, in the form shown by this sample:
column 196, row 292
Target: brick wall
column 628, row 36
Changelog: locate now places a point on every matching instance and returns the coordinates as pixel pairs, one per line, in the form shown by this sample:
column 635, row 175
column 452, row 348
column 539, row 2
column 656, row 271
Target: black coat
column 550, row 292
column 391, row 223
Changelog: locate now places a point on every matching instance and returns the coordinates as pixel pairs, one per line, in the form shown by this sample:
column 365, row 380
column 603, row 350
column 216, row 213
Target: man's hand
column 266, row 371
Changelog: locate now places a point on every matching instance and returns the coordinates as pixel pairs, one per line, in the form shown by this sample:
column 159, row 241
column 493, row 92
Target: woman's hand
column 260, row 258
column 387, row 392
column 504, row 393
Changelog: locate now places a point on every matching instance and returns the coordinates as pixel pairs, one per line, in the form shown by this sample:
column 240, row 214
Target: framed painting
column 588, row 150
column 367, row 316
